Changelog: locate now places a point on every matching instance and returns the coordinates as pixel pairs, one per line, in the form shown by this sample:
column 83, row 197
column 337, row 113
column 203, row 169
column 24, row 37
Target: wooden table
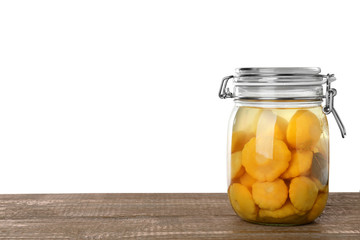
column 159, row 216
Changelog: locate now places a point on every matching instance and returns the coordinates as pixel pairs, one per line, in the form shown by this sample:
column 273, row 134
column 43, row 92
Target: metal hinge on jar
column 329, row 103
column 224, row 90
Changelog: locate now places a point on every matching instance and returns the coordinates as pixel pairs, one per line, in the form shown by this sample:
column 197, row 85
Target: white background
column 121, row 96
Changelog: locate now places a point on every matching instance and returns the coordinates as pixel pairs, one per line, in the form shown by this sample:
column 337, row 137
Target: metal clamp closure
column 224, row 90
column 329, row 103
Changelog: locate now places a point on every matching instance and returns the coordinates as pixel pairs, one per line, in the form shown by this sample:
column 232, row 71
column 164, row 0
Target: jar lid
column 280, row 76
column 279, row 70
column 282, row 83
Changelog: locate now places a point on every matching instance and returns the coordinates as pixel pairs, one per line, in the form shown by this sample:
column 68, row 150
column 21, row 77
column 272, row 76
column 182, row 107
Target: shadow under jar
column 278, row 144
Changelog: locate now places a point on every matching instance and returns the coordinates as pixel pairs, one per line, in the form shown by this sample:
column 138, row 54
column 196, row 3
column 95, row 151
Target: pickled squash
column 279, row 164
column 246, row 119
column 236, row 167
column 247, row 181
column 280, row 128
column 271, row 125
column 239, row 139
column 304, row 130
column 302, row 193
column 270, row 195
column 286, row 210
column 242, row 201
column 300, row 164
column 318, row 207
column 265, row 159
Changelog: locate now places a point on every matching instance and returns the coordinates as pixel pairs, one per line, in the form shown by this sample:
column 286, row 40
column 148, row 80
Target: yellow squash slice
column 242, row 201
column 239, row 139
column 270, row 195
column 286, row 210
column 300, row 164
column 236, row 167
column 302, row 193
column 265, row 159
column 304, row 130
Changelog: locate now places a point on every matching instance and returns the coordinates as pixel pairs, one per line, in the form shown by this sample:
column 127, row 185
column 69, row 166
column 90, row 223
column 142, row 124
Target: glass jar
column 278, row 144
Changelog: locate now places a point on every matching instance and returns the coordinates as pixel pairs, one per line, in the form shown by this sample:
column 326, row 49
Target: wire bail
column 224, row 91
column 329, row 103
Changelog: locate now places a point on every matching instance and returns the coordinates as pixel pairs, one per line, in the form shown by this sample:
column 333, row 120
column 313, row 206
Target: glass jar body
column 278, row 161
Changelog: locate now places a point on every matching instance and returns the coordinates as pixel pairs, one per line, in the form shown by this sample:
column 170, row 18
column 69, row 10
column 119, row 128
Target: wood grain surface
column 160, row 216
